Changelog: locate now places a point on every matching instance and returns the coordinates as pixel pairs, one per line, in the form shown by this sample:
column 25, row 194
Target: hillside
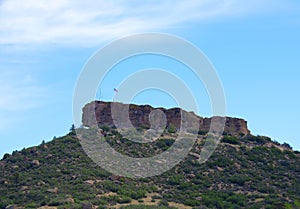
column 245, row 171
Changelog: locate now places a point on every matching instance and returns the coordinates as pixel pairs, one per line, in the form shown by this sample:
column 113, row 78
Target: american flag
column 115, row 90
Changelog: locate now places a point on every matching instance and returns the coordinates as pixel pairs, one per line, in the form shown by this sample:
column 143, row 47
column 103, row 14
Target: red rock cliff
column 139, row 116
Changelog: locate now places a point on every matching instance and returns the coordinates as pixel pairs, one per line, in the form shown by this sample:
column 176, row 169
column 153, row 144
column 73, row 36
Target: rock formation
column 100, row 113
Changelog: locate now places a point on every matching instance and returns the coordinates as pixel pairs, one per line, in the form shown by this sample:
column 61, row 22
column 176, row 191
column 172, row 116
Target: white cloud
column 92, row 22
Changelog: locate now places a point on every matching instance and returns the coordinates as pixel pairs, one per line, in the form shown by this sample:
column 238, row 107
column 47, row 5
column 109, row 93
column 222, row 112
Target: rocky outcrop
column 99, row 113
column 70, row 200
column 35, row 162
column 54, row 190
column 11, row 207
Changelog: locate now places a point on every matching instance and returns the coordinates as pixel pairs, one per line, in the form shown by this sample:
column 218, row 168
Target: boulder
column 87, row 206
column 54, row 190
column 10, row 207
column 35, row 162
column 70, row 200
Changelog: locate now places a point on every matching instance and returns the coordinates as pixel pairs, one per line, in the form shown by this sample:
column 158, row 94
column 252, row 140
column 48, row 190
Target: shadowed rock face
column 100, row 113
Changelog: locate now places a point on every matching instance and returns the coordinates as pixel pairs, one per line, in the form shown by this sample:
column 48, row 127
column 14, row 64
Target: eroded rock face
column 100, row 113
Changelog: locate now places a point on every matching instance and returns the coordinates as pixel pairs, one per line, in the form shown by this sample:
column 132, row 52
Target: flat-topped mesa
column 99, row 113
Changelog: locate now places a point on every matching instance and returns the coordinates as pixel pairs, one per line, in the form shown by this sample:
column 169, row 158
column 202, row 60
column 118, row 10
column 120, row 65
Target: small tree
column 72, row 129
column 5, row 156
column 286, row 145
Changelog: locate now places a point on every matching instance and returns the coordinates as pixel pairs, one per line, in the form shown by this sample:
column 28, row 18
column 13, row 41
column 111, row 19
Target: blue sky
column 254, row 46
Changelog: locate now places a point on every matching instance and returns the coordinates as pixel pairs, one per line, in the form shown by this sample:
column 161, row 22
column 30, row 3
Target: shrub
column 172, row 129
column 165, row 143
column 110, row 186
column 259, row 139
column 5, row 156
column 192, row 202
column 201, row 132
column 163, row 203
column 31, row 205
column 132, row 191
column 286, row 145
column 230, row 140
column 115, row 199
column 105, row 128
column 238, row 179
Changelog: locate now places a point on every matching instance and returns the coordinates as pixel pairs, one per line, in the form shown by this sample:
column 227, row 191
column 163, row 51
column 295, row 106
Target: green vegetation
column 230, row 140
column 172, row 128
column 244, row 172
column 146, row 207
